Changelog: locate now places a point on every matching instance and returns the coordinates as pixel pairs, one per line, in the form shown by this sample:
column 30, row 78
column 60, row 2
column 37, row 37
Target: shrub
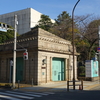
column 81, row 71
column 7, row 85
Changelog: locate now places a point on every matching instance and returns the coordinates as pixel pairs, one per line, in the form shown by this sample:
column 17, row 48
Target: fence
column 79, row 83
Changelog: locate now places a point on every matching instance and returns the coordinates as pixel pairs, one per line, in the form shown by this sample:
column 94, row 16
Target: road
column 21, row 95
column 71, row 95
column 93, row 94
column 75, row 95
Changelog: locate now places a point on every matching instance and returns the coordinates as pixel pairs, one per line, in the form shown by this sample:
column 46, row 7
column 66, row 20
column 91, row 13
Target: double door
column 58, row 69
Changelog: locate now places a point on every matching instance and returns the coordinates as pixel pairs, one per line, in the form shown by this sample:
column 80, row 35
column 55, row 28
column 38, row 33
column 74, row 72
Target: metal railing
column 80, row 84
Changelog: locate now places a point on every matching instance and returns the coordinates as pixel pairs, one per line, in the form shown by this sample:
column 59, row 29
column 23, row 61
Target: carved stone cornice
column 54, row 40
column 44, row 41
column 39, row 38
column 20, row 40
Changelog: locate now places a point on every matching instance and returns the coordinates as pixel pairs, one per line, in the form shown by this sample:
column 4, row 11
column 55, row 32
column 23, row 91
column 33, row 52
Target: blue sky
column 52, row 8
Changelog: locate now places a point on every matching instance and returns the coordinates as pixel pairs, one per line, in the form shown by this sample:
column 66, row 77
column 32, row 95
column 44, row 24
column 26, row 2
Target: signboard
column 91, row 68
column 3, row 29
column 95, row 69
column 88, row 68
column 98, row 49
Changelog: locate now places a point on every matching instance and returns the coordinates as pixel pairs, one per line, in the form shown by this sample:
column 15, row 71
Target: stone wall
column 45, row 70
column 40, row 45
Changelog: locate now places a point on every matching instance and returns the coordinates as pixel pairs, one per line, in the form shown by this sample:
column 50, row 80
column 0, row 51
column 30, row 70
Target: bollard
column 18, row 83
column 32, row 82
column 67, row 85
column 80, row 87
column 82, row 84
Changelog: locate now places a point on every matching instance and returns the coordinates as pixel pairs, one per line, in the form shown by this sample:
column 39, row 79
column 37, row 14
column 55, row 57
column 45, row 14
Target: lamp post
column 73, row 44
column 99, row 53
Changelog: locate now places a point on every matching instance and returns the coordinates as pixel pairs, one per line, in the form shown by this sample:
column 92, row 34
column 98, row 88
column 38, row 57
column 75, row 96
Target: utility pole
column 14, row 53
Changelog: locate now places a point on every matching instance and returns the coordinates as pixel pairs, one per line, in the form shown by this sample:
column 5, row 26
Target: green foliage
column 63, row 26
column 63, row 18
column 81, row 71
column 6, row 35
column 45, row 22
column 7, row 85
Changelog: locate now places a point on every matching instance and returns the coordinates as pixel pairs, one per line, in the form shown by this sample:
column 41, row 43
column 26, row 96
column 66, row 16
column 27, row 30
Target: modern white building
column 27, row 19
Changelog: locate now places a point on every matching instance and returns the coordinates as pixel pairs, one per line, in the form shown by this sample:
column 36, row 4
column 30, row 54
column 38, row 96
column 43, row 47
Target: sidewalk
column 59, row 86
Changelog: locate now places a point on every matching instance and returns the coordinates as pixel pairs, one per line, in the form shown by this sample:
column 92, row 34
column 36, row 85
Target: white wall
column 27, row 19
column 34, row 17
column 23, row 20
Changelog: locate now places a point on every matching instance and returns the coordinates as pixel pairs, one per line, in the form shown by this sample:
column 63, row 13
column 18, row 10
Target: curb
column 86, row 86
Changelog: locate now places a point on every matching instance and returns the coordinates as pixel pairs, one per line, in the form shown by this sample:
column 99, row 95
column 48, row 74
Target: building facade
column 27, row 19
column 50, row 58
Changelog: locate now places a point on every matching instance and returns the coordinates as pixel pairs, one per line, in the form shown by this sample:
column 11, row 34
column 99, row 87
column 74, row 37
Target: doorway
column 58, row 69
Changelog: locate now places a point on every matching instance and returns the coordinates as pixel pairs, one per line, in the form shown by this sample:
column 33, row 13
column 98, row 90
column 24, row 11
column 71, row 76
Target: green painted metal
column 58, row 69
column 19, row 68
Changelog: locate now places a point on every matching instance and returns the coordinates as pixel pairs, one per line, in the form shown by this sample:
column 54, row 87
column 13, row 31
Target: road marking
column 24, row 94
column 8, row 97
column 17, row 95
column 45, row 93
column 49, row 92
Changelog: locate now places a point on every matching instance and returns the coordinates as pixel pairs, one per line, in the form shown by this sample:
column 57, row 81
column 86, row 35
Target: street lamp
column 73, row 44
column 99, row 53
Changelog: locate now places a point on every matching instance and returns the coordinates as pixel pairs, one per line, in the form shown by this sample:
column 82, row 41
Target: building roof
column 43, row 40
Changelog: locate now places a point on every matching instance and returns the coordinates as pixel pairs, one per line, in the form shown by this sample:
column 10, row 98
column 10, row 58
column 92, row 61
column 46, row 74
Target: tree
column 88, row 38
column 4, row 36
column 63, row 26
column 45, row 22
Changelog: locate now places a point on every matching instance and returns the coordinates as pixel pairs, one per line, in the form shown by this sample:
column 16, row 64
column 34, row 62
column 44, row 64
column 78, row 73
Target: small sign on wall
column 43, row 67
column 42, row 73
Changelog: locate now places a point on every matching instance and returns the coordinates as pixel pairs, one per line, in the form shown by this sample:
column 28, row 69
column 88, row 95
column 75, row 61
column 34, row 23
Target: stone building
column 49, row 58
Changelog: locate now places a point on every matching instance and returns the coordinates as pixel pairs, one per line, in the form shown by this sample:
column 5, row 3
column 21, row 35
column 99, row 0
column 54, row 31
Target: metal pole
column 82, row 84
column 99, row 54
column 73, row 44
column 68, row 79
column 18, row 83
column 10, row 74
column 14, row 54
column 68, row 85
column 32, row 82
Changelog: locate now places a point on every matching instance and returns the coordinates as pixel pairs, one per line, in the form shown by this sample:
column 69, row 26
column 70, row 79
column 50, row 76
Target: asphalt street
column 73, row 95
column 21, row 95
column 56, row 91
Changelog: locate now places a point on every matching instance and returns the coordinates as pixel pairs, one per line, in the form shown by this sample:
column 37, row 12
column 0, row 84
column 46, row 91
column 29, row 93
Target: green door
column 58, row 69
column 19, row 69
